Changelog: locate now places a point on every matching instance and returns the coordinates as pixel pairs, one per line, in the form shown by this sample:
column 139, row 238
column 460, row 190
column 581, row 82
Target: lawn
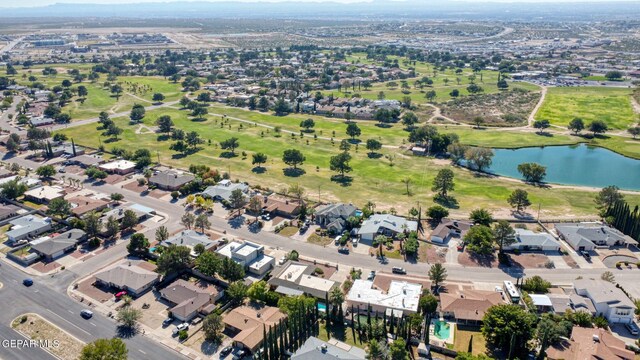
column 319, row 240
column 341, row 333
column 612, row 105
column 288, row 231
column 464, row 337
column 371, row 179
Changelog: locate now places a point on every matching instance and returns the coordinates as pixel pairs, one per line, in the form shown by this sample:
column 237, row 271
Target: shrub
column 520, row 226
column 516, row 251
column 549, row 264
column 318, row 271
column 23, row 319
column 183, row 335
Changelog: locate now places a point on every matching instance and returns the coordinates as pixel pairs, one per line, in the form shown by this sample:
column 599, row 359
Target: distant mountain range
column 375, row 10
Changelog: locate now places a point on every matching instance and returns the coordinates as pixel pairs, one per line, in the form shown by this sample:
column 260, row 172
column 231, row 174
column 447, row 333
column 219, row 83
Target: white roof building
column 402, row 297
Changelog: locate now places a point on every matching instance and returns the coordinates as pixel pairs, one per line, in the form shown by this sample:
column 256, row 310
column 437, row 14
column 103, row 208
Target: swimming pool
column 442, row 330
column 322, row 307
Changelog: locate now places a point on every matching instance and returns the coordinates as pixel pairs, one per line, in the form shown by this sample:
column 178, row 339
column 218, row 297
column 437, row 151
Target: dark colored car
column 343, row 250
column 27, row 282
column 167, row 322
column 87, row 314
column 398, row 270
column 226, row 351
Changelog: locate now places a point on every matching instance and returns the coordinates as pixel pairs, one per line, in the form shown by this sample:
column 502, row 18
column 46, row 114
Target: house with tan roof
column 44, row 194
column 131, row 276
column 295, row 278
column 189, row 299
column 450, row 228
column 400, row 298
column 82, row 204
column 468, row 306
column 248, row 322
column 592, row 344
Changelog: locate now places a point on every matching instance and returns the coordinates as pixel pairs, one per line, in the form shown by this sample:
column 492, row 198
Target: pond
column 581, row 165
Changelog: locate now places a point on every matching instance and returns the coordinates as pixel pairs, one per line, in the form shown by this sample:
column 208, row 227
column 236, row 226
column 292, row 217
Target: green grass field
column 372, row 179
column 611, row 105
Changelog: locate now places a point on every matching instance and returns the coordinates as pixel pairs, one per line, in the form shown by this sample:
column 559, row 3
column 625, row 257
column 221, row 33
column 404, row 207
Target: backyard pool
column 442, row 330
column 322, row 307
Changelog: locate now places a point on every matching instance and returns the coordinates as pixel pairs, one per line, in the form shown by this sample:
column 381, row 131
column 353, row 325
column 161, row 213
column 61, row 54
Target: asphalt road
column 55, row 306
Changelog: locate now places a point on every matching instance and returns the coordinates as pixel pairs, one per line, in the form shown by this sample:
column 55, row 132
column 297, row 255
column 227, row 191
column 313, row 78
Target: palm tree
column 336, row 298
column 437, row 274
column 378, row 241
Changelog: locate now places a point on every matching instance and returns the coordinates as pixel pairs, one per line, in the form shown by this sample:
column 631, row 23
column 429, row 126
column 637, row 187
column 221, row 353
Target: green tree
column 112, row 227
column 237, row 291
column 437, row 213
column 237, row 199
column 46, row 171
column 519, row 199
column 117, row 197
column 212, row 326
column 174, row 259
column 138, row 245
column 105, row 349
column 231, row 270
column 409, row 119
column 541, row 125
column 503, row 234
column 307, row 125
column 59, row 207
column 259, row 159
column 608, row 196
column 536, row 284
column 230, row 144
column 437, row 274
column 508, row 327
column 353, row 130
column 576, row 125
column 336, row 299
column 129, row 219
column 164, row 123
column 258, row 291
column 480, row 239
column 158, row 97
column 598, row 127
column 373, row 145
column 532, row 172
column 479, row 158
column 137, row 113
column 377, row 350
column 128, row 317
column 398, row 350
column 202, row 222
column 293, row 157
column 340, row 163
column 281, row 107
column 481, row 217
column 208, row 263
column 550, row 329
column 443, row 182
column 13, row 189
column 113, row 131
column 92, row 226
column 188, row 219
column 456, row 152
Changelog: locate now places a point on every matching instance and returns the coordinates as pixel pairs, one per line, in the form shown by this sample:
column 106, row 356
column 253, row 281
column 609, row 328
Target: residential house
column 27, row 226
column 41, row 121
column 53, row 248
column 279, row 207
column 608, row 300
column 590, row 343
column 86, row 161
column 333, row 217
column 8, row 211
column 385, row 224
column 468, row 306
column 83, row 204
column 295, row 278
column 171, row 180
column 527, row 240
column 400, row 298
column 450, row 228
column 247, row 324
column 189, row 299
column 248, row 254
column 586, row 237
column 120, row 167
column 29, row 181
column 542, row 303
column 191, row 238
column 222, row 190
column 44, row 194
column 316, row 349
column 133, row 276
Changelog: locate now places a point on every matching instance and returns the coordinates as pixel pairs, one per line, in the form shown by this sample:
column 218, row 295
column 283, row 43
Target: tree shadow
column 228, row 154
column 354, row 141
column 383, row 126
column 293, row 172
column 374, row 155
column 522, row 215
column 259, row 170
column 126, row 332
column 484, row 260
column 447, row 201
column 163, row 137
column 342, row 180
column 236, row 222
column 111, row 140
column 544, row 133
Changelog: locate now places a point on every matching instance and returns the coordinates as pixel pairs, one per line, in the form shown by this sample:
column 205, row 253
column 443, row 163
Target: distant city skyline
column 36, row 3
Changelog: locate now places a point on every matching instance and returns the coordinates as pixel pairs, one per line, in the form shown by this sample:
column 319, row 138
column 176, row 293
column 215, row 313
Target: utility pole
column 539, row 205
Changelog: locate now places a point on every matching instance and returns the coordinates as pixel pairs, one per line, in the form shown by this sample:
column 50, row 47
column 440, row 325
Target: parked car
column 120, row 294
column 398, row 270
column 338, row 239
column 633, row 328
column 585, row 255
column 166, row 322
column 460, row 247
column 62, row 169
column 183, row 326
column 87, row 314
column 372, row 275
column 27, row 282
column 355, row 241
column 343, row 250
column 266, row 217
column 226, row 351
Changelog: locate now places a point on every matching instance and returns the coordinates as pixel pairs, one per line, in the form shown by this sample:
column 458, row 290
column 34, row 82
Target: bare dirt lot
column 33, row 326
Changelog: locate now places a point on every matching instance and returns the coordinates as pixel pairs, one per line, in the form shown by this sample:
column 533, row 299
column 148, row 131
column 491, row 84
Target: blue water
column 358, row 213
column 322, row 307
column 572, row 165
column 153, row 249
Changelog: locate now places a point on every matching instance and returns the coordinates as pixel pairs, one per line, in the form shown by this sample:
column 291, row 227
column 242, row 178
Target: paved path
column 543, row 94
